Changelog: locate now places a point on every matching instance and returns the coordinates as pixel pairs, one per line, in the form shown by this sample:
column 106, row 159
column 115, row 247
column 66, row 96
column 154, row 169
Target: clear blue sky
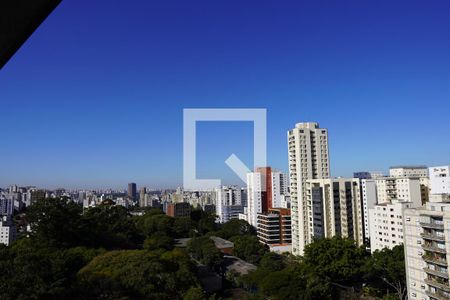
column 95, row 97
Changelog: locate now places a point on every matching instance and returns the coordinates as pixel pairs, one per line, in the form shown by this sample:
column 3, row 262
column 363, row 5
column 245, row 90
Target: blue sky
column 95, row 97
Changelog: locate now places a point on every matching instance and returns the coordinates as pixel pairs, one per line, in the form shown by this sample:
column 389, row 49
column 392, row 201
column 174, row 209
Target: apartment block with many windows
column 308, row 159
column 427, row 249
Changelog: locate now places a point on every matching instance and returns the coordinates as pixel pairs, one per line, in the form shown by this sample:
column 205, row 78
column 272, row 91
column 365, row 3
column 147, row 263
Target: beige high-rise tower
column 308, row 159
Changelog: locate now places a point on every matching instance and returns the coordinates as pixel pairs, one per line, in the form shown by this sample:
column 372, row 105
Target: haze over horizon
column 95, row 98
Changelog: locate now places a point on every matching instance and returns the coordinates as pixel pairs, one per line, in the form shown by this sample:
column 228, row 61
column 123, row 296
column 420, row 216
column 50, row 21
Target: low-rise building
column 274, row 228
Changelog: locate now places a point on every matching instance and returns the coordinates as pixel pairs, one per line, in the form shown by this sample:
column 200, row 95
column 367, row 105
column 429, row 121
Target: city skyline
column 98, row 104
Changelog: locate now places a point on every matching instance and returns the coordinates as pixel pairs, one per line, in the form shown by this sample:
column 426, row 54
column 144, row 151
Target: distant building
column 180, row 209
column 6, row 206
column 36, row 195
column 408, row 171
column 274, row 229
column 367, row 175
column 7, row 230
column 143, row 197
column 132, row 191
column 266, row 189
column 209, row 208
column 440, row 180
column 229, row 203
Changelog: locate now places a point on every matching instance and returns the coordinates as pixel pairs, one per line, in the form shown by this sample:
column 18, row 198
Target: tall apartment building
column 308, row 159
column 440, row 180
column 229, row 202
column 132, row 191
column 335, row 208
column 274, row 229
column 408, row 171
column 386, row 224
column 368, row 196
column 143, row 197
column 427, row 249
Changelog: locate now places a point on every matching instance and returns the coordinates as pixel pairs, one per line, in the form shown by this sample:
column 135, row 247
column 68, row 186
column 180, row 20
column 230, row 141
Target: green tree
column 236, row 227
column 194, row 293
column 204, row 250
column 153, row 222
column 34, row 271
column 182, row 227
column 386, row 268
column 337, row 260
column 110, row 227
column 159, row 241
column 137, row 274
column 248, row 248
column 56, row 222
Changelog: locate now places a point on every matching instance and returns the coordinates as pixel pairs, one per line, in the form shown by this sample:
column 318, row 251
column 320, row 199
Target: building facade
column 266, row 189
column 399, row 188
column 308, row 159
column 7, row 230
column 335, row 208
column 132, row 191
column 427, row 249
column 386, row 224
column 408, row 171
column 229, row 203
column 180, row 209
column 440, row 180
column 274, row 229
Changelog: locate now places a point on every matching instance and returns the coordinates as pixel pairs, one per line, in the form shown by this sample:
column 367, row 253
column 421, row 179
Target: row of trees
column 106, row 253
column 330, row 269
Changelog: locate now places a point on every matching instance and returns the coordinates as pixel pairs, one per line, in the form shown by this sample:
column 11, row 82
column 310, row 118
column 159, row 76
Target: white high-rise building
column 440, row 180
column 335, row 208
column 308, row 159
column 279, row 189
column 386, row 224
column 408, row 171
column 254, row 197
column 266, row 189
column 427, row 249
column 229, row 200
column 368, row 196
